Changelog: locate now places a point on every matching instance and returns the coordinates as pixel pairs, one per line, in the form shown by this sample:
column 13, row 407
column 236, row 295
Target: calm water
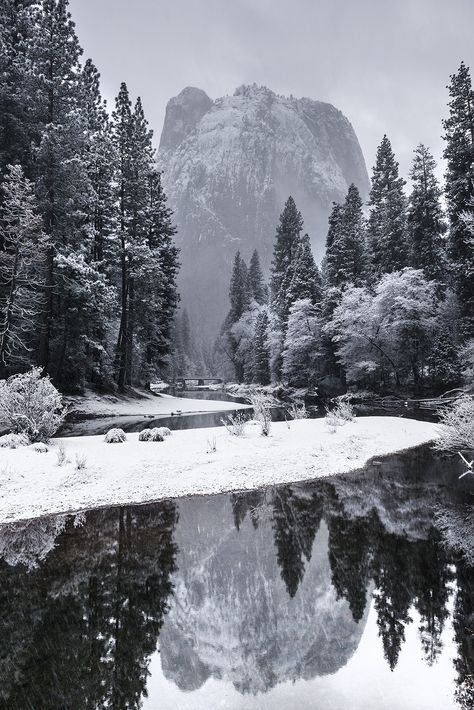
column 339, row 595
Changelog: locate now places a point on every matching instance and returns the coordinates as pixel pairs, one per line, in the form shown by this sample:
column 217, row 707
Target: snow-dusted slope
column 229, row 166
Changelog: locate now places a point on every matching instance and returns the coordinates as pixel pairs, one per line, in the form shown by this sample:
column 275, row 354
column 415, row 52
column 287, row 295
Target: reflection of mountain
column 232, row 616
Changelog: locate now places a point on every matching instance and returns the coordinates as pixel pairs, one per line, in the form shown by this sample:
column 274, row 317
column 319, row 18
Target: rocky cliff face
column 228, row 167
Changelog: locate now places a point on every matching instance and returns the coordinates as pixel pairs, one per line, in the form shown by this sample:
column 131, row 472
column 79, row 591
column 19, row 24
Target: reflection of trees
column 406, row 572
column 296, row 521
column 349, row 559
column 79, row 631
column 463, row 623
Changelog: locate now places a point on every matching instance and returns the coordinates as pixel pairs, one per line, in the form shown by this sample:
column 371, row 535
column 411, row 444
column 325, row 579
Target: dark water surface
column 335, row 595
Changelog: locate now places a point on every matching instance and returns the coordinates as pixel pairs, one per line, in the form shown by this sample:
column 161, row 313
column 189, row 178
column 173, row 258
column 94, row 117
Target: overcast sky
column 384, row 63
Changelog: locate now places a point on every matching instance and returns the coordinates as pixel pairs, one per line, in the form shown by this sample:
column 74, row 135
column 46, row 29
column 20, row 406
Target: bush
column 457, row 431
column 39, row 447
column 261, row 405
column 31, row 405
column 235, row 424
column 164, row 431
column 13, row 441
column 152, row 434
column 115, row 436
column 339, row 415
column 298, row 411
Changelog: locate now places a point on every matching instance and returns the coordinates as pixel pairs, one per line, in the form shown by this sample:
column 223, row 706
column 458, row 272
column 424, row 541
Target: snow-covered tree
column 23, row 248
column 346, row 252
column 286, row 245
column 387, row 227
column 459, row 190
column 426, row 224
column 303, row 277
column 301, row 352
column 261, row 353
column 386, row 335
column 240, row 302
column 242, row 336
column 258, row 288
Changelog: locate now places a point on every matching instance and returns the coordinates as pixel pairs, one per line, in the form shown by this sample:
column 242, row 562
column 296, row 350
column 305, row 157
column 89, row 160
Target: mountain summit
column 228, row 167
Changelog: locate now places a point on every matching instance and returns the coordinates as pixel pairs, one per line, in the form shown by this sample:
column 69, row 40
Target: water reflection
column 250, row 591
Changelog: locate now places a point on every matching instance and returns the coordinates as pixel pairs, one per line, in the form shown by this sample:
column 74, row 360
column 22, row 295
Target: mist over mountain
column 228, row 167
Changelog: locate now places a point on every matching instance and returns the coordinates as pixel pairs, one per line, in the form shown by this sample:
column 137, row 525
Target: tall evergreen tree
column 75, row 291
column 261, row 363
column 303, row 277
column 459, row 191
column 257, row 286
column 346, row 251
column 240, row 299
column 284, row 252
column 425, row 217
column 17, row 127
column 239, row 293
column 332, row 245
column 387, row 229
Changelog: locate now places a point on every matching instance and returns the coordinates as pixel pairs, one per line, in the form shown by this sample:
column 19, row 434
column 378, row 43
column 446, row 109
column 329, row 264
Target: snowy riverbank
column 33, row 484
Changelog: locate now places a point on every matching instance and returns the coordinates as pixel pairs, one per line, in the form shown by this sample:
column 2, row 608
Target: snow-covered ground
column 197, row 461
column 145, row 405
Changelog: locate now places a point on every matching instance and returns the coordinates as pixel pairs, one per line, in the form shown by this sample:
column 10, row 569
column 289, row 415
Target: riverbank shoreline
column 192, row 462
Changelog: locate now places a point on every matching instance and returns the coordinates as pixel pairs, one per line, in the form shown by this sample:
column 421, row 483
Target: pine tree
column 17, row 127
column 425, row 217
column 303, row 277
column 333, row 240
column 23, row 247
column 239, row 293
column 240, row 301
column 261, row 362
column 386, row 229
column 352, row 261
column 156, row 287
column 75, row 291
column 122, row 126
column 258, row 288
column 459, row 191
column 286, row 245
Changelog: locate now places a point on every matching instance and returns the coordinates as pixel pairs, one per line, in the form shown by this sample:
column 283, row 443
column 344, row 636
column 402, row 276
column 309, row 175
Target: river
column 335, row 595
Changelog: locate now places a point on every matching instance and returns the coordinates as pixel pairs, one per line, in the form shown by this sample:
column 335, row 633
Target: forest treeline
column 88, row 263
column 393, row 303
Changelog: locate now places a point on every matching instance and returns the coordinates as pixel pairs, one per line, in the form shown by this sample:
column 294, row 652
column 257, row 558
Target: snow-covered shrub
column 261, row 405
column 339, row 415
column 30, row 404
column 13, row 441
column 115, row 436
column 61, row 455
column 457, row 431
column 39, row 447
column 235, row 424
column 211, row 445
column 151, row 434
column 164, row 431
column 81, row 462
column 298, row 411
